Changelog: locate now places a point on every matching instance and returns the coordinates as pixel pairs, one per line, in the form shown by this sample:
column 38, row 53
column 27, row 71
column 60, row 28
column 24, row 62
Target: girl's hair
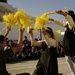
column 1, row 38
column 72, row 14
column 50, row 31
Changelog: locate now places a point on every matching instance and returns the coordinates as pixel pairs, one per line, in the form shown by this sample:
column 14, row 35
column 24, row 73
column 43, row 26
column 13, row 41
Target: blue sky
column 38, row 7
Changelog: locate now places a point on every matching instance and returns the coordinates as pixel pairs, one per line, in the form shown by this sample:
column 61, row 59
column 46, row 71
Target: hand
column 51, row 19
column 22, row 30
column 43, row 31
column 61, row 12
column 8, row 29
column 30, row 31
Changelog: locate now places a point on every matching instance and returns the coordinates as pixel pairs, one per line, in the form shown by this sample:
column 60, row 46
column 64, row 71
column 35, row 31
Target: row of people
column 29, row 52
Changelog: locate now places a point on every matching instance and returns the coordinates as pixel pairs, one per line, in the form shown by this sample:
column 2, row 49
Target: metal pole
column 40, row 34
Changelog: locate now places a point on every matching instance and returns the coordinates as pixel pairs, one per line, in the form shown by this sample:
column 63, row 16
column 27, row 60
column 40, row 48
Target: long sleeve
column 61, row 23
column 50, row 42
column 69, row 21
column 34, row 42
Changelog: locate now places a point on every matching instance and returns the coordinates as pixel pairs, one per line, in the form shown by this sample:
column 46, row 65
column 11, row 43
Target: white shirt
column 49, row 41
column 69, row 21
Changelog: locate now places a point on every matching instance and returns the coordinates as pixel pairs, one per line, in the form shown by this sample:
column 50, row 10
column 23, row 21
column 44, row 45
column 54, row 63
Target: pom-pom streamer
column 41, row 21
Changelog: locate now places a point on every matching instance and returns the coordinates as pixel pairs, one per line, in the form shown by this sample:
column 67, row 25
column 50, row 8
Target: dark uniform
column 69, row 42
column 47, row 64
column 3, row 56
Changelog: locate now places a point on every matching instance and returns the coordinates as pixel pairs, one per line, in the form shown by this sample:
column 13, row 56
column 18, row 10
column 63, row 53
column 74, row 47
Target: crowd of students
column 28, row 51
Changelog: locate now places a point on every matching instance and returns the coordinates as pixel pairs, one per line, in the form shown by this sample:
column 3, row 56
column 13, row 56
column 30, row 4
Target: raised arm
column 19, row 43
column 33, row 41
column 68, row 19
column 6, row 33
column 61, row 23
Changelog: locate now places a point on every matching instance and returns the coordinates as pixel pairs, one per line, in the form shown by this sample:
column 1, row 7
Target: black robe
column 3, row 57
column 47, row 64
column 69, row 42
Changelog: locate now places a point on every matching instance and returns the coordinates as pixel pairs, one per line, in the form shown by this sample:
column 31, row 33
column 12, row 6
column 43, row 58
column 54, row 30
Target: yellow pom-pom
column 23, row 19
column 57, row 34
column 45, row 18
column 41, row 21
column 9, row 20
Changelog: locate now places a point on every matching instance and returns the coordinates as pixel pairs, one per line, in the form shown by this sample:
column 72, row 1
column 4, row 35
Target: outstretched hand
column 8, row 29
column 43, row 31
column 61, row 12
column 22, row 30
column 30, row 31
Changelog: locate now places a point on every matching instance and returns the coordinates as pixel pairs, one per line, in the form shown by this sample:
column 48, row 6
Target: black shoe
column 60, row 74
column 23, row 74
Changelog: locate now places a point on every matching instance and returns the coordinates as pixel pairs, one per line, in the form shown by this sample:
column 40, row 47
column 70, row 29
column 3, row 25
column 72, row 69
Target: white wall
column 15, row 31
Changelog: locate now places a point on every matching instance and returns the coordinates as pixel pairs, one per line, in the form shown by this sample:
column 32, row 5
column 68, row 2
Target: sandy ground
column 29, row 66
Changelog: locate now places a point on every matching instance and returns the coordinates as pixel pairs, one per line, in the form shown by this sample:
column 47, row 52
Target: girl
column 69, row 37
column 47, row 64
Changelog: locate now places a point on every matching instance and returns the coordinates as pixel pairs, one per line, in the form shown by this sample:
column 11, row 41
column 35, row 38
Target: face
column 49, row 34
